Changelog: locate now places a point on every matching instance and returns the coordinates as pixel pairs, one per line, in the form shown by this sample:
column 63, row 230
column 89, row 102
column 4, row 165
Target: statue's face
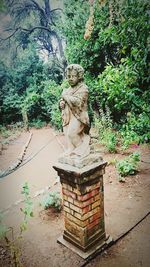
column 72, row 77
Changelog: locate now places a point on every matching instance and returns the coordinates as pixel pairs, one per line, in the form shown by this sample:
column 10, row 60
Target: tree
column 110, row 40
column 29, row 90
column 33, row 21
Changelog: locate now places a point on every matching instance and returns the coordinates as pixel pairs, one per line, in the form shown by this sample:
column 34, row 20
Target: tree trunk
column 25, row 120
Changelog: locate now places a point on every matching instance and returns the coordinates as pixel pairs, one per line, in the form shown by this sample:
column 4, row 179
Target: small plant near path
column 128, row 166
column 104, row 127
column 53, row 200
column 7, row 233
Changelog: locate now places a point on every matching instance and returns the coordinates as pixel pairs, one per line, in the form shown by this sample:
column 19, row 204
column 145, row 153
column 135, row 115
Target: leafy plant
column 115, row 55
column 37, row 123
column 107, row 136
column 52, row 200
column 56, row 119
column 128, row 166
column 7, row 233
column 110, row 141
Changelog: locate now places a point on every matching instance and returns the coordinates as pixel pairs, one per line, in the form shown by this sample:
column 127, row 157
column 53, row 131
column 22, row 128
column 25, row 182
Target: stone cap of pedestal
column 80, row 175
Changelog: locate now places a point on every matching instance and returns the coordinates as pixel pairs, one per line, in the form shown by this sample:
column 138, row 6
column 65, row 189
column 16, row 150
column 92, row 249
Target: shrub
column 107, row 135
column 37, row 123
column 52, row 200
column 56, row 120
column 128, row 166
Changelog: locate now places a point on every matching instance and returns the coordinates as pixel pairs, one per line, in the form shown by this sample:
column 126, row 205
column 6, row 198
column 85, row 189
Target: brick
column 74, row 229
column 64, row 186
column 70, row 200
column 83, row 204
column 68, row 187
column 68, row 210
column 91, row 225
column 78, row 216
column 97, row 197
column 90, row 213
column 96, row 204
column 92, row 187
column 77, row 221
column 66, row 203
column 92, row 231
column 78, row 203
column 88, row 202
column 66, row 198
column 77, row 191
column 84, row 197
column 94, row 217
column 75, row 208
column 69, row 193
column 86, row 209
column 88, row 195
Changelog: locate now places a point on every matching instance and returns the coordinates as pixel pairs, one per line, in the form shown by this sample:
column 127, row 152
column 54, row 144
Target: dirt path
column 38, row 172
column 125, row 204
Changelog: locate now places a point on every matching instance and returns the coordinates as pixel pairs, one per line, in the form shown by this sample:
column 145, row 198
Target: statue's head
column 74, row 73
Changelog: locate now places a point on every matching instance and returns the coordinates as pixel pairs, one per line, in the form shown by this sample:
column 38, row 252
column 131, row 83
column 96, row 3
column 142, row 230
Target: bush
column 56, row 119
column 52, row 200
column 128, row 166
column 107, row 135
column 37, row 123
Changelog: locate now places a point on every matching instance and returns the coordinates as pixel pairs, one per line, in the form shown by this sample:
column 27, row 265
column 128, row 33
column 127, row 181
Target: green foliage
column 128, row 137
column 9, row 132
column 136, row 130
column 3, row 227
column 2, row 5
column 28, row 208
column 37, row 123
column 56, row 119
column 104, row 126
column 73, row 28
column 115, row 56
column 128, row 166
column 52, row 200
column 28, row 89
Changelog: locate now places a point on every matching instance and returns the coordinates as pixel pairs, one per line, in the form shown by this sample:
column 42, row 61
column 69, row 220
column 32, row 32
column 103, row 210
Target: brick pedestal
column 83, row 201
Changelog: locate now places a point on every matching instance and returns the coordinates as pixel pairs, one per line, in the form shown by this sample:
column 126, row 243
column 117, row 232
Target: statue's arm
column 77, row 99
column 61, row 103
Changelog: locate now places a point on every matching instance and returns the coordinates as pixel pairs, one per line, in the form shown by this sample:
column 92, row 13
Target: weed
column 7, row 233
column 128, row 137
column 107, row 136
column 128, row 166
column 52, row 200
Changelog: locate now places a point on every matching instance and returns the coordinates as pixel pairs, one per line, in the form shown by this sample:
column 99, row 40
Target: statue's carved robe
column 76, row 120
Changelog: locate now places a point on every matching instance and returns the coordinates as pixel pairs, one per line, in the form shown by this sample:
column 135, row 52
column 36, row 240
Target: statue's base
column 83, row 205
column 93, row 251
column 81, row 162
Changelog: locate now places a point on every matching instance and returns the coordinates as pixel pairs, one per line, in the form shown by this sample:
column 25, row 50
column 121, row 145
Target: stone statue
column 75, row 119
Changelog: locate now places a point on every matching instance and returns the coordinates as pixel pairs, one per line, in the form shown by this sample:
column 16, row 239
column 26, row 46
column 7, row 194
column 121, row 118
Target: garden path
column 125, row 205
column 43, row 150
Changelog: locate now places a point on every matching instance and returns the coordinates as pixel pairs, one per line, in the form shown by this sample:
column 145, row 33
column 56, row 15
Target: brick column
column 83, row 200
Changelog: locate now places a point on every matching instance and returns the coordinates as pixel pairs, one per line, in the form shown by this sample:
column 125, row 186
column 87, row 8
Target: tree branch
column 8, row 37
column 36, row 28
column 55, row 9
column 38, row 6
